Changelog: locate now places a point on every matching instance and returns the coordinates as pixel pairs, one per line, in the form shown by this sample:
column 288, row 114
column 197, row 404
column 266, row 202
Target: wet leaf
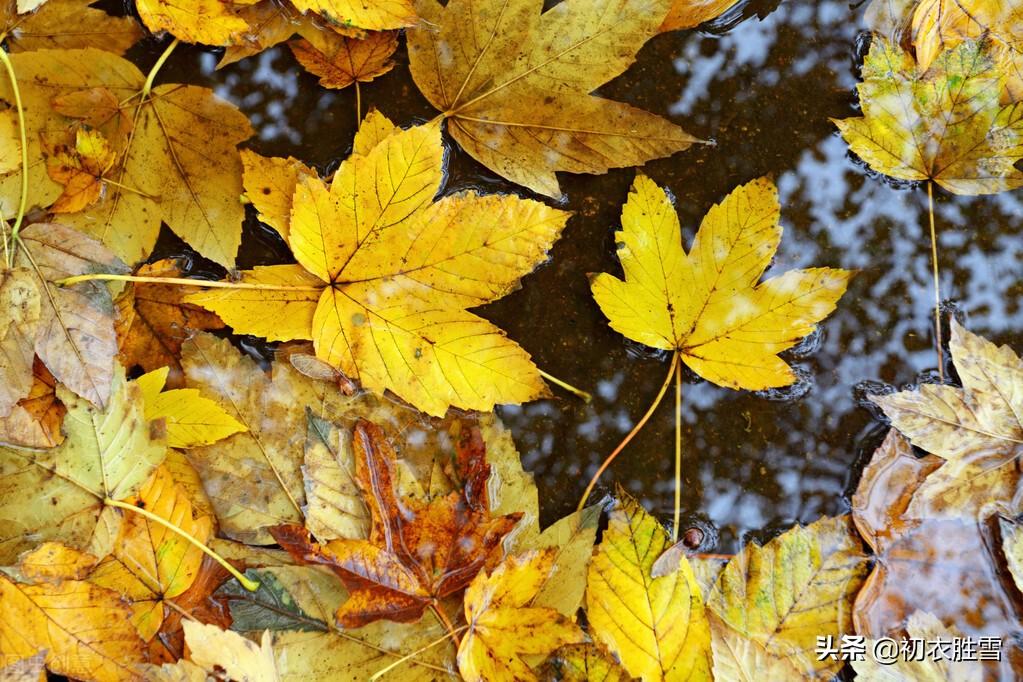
column 54, row 562
column 656, row 627
column 153, row 321
column 925, row 627
column 708, row 305
column 417, row 552
column 401, row 324
column 503, row 627
column 221, row 653
column 339, row 61
column 514, row 85
column 1012, row 546
column 946, row 125
column 34, row 422
column 335, row 507
column 571, row 541
column 585, row 663
column 191, row 419
column 199, row 21
column 196, row 603
column 108, row 453
column 84, row 629
column 275, row 605
column 975, row 429
column 79, row 161
column 66, row 24
column 691, row 13
column 270, row 185
column 784, row 594
column 374, row 16
column 180, row 165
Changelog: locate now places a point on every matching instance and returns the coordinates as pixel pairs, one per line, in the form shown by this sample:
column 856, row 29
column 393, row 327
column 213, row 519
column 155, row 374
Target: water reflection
column 764, row 91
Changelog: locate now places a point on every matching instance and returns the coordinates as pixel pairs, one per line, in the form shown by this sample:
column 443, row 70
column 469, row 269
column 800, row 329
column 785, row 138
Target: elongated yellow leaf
column 392, row 273
column 514, row 84
column 656, row 627
column 503, row 628
column 191, row 419
column 707, row 304
column 799, row 586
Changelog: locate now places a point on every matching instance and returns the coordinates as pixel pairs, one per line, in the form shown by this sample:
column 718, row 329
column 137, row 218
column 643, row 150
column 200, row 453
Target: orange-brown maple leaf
column 417, row 552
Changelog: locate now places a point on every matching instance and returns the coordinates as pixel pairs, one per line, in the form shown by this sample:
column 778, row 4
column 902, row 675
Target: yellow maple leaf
column 151, row 564
column 514, row 84
column 270, row 184
column 946, row 125
column 707, row 305
column 198, row 21
column 502, row 627
column 656, row 627
column 384, row 277
column 80, row 165
column 191, row 419
column 340, row 61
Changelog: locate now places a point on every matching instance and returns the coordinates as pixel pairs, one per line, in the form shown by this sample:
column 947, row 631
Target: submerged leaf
column 514, row 84
column 708, row 305
column 932, row 666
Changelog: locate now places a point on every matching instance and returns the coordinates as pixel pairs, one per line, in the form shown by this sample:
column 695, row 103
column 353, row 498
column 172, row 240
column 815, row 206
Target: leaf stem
column 438, row 611
column 126, row 188
column 247, row 583
column 211, row 284
column 632, row 434
column 678, row 451
column 937, row 283
column 148, row 87
column 23, row 201
column 383, row 671
column 358, row 106
column 568, row 387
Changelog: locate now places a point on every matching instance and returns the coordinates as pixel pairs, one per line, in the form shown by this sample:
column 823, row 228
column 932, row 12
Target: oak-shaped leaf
column 385, row 275
column 514, row 84
column 71, row 329
column 417, row 552
column 179, row 164
column 707, row 305
column 770, row 603
column 946, row 125
column 656, row 627
column 59, row 494
column 976, row 430
column 503, row 626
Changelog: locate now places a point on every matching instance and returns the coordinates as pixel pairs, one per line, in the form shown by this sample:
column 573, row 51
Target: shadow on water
column 763, row 87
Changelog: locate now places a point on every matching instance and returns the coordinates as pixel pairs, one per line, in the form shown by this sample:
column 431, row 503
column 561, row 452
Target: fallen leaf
column 946, row 125
column 691, row 13
column 339, row 61
column 180, row 165
column 416, row 553
column 197, row 603
column 514, row 85
column 656, row 627
column 150, row 564
column 975, row 429
column 741, row 658
column 66, row 24
column 191, row 419
column 798, row 586
column 585, row 663
column 199, row 21
column 374, row 16
column 400, row 323
column 1012, row 546
column 20, row 310
column 153, row 321
column 937, row 668
column 503, row 627
column 571, row 541
column 270, row 185
column 10, row 142
column 707, row 305
column 34, row 422
column 84, row 629
column 54, row 562
column 277, row 605
column 58, row 494
column 334, row 505
column 79, row 163
column 215, row 652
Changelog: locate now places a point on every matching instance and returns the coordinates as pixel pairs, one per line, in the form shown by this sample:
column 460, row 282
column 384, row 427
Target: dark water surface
column 763, row 87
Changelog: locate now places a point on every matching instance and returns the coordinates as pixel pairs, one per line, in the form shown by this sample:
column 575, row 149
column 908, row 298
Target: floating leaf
column 503, row 627
column 946, row 125
column 374, row 16
column 401, row 324
column 801, row 584
column 514, row 85
column 339, row 61
column 707, row 305
column 66, row 24
column 270, row 185
column 656, row 627
column 199, row 21
column 571, row 539
column 34, row 422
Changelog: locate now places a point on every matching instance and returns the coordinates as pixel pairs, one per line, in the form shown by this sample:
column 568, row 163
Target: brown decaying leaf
column 417, row 552
column 340, row 62
column 199, row 603
column 153, row 321
column 66, row 24
column 948, row 567
column 35, row 421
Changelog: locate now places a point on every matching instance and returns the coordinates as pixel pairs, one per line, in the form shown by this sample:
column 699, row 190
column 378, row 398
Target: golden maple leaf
column 65, row 24
column 384, row 276
column 191, row 420
column 503, row 627
column 339, row 61
column 514, row 85
column 946, row 125
column 707, row 305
